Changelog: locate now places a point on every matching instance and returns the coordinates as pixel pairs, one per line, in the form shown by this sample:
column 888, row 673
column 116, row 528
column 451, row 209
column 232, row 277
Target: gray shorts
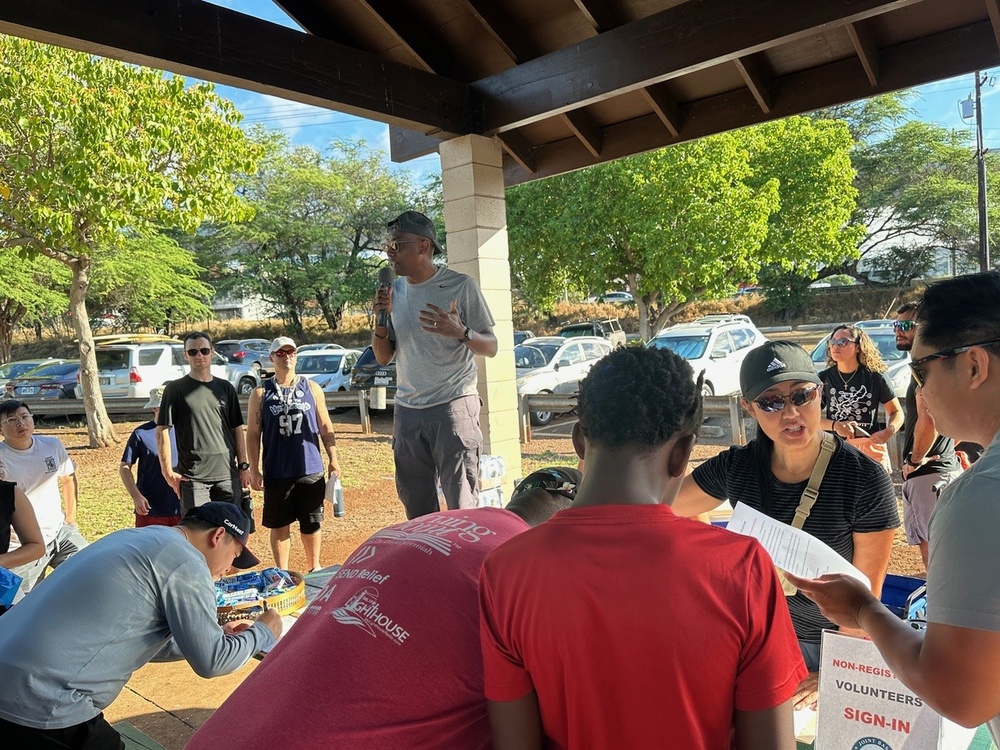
column 68, row 541
column 918, row 504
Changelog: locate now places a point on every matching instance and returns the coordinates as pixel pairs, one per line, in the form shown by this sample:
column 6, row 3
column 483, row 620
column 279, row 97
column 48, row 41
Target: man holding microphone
column 432, row 321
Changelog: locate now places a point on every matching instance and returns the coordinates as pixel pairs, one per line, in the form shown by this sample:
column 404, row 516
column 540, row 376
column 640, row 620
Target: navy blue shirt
column 290, row 431
column 141, row 448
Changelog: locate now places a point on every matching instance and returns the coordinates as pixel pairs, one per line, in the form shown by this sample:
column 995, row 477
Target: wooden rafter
column 665, row 107
column 413, row 34
column 688, row 37
column 585, row 129
column 516, row 45
column 196, row 38
column 866, row 48
column 754, row 76
column 519, row 148
column 993, row 6
column 943, row 55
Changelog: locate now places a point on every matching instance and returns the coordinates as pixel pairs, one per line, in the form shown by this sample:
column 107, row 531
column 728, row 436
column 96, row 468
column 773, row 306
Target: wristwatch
column 244, row 466
column 467, row 335
column 909, row 462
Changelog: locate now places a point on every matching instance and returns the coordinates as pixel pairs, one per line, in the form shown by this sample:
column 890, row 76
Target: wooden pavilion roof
column 563, row 84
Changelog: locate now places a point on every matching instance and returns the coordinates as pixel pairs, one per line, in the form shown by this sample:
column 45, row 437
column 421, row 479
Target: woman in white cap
column 855, row 512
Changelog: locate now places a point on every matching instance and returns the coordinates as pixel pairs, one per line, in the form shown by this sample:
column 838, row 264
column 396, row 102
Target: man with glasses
column 929, row 462
column 289, row 415
column 205, row 413
column 436, row 320
column 45, row 473
column 953, row 665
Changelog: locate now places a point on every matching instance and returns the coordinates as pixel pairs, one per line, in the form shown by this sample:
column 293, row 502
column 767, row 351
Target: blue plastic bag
column 9, row 584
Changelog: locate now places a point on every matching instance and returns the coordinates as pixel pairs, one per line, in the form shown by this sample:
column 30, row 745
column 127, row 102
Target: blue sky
column 311, row 126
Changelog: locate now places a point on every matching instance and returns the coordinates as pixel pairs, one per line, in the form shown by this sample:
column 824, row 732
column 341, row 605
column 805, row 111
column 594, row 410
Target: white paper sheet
column 791, row 549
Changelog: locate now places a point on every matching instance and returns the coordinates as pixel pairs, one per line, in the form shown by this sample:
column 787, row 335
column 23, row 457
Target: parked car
column 252, row 352
column 21, row 367
column 614, row 298
column 520, row 336
column 367, row 373
column 51, row 381
column 609, row 329
column 133, row 370
column 715, row 344
column 884, row 337
column 330, row 368
column 552, row 364
column 314, row 347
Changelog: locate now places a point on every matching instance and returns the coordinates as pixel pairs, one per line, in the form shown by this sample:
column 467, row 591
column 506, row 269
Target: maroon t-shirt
column 387, row 657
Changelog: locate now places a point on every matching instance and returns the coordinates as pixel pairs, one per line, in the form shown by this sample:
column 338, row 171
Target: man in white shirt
column 46, row 474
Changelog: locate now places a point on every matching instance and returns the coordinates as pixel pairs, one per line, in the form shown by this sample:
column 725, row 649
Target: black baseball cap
column 234, row 521
column 559, row 479
column 775, row 362
column 414, row 222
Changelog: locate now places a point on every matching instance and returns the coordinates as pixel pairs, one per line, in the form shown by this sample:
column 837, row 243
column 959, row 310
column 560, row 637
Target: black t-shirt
column 6, row 514
column 858, row 399
column 942, row 446
column 204, row 416
column 856, row 495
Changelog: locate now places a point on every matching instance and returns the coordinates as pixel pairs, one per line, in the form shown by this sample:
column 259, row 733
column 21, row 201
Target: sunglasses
column 920, row 373
column 549, row 483
column 284, row 353
column 904, row 325
column 842, row 342
column 394, row 245
column 776, row 403
column 204, row 351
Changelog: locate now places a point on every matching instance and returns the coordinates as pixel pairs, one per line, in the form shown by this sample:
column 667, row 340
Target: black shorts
column 299, row 499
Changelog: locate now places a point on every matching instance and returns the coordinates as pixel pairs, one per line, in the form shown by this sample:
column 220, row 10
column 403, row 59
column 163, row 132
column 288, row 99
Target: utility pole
column 984, row 236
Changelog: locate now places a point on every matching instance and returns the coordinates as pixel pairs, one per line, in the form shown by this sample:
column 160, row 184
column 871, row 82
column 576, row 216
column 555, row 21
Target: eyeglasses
column 776, row 403
column 204, row 351
column 904, row 325
column 18, row 419
column 393, row 245
column 919, row 373
column 285, row 353
column 842, row 342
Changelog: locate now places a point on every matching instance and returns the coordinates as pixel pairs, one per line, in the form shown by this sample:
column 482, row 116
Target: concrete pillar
column 475, row 217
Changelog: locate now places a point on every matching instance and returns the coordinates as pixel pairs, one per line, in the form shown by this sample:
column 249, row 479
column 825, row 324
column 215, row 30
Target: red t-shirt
column 387, row 657
column 636, row 628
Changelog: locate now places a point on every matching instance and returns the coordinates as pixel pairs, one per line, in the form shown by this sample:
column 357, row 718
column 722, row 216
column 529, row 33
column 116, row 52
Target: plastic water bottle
column 335, row 495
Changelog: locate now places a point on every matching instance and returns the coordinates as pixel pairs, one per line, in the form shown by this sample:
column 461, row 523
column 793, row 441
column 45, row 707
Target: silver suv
column 132, row 370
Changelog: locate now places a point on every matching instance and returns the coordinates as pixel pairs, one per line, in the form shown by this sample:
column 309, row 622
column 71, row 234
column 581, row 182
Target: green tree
column 94, row 152
column 31, row 287
column 318, row 227
column 687, row 222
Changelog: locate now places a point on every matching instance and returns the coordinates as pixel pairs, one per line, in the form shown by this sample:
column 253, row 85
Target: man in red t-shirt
column 617, row 624
column 387, row 657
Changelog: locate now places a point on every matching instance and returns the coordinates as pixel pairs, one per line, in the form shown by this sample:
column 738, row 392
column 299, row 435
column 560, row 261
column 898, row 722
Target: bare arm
column 240, row 437
column 326, row 432
column 871, row 556
column 764, row 730
column 895, row 414
column 924, row 434
column 517, row 725
column 166, row 459
column 955, row 670
column 69, row 488
column 25, row 525
column 693, row 500
column 255, row 424
column 141, row 503
column 382, row 346
column 483, row 343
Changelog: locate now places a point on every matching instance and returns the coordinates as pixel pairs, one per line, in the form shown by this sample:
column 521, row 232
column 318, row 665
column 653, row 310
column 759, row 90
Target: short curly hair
column 641, row 397
column 868, row 354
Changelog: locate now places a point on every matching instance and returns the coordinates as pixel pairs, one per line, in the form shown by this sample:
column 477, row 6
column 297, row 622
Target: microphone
column 385, row 279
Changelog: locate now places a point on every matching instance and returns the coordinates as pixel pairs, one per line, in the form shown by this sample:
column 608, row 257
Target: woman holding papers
column 855, row 509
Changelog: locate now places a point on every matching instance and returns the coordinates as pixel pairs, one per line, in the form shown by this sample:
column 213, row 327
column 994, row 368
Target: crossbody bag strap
column 811, row 492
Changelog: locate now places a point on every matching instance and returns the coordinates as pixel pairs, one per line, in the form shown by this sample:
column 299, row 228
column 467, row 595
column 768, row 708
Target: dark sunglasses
column 920, row 375
column 548, row 481
column 284, row 353
column 776, row 403
column 904, row 325
column 204, row 351
column 842, row 342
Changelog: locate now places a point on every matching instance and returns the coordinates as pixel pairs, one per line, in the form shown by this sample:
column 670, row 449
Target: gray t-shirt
column 430, row 369
column 134, row 596
column 963, row 576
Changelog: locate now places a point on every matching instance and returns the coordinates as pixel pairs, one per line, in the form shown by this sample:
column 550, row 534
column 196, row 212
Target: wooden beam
column 406, row 144
column 867, row 49
column 994, row 9
column 665, row 107
column 585, row 129
column 314, row 21
column 196, row 38
column 690, row 36
column 519, row 148
column 755, row 78
column 413, row 34
column 952, row 53
column 515, row 44
column 602, row 14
